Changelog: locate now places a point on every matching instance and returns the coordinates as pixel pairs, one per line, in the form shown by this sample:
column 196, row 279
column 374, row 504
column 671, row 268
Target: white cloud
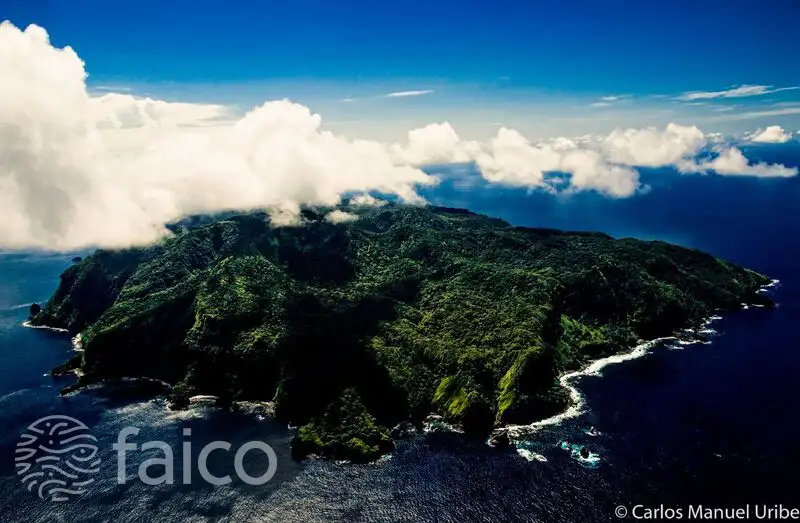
column 734, row 92
column 509, row 158
column 606, row 101
column 111, row 88
column 434, row 143
column 403, row 94
column 752, row 115
column 337, row 216
column 67, row 182
column 367, row 200
column 398, row 94
column 123, row 111
column 732, row 162
column 651, row 147
column 48, row 139
column 590, row 171
column 562, row 143
column 771, row 134
column 604, row 164
column 78, row 170
column 276, row 153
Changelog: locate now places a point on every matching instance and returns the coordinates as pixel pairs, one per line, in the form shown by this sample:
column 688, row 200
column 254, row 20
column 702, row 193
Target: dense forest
column 387, row 315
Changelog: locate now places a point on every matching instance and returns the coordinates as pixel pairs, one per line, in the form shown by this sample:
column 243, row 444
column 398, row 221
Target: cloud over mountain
column 112, row 170
column 78, row 169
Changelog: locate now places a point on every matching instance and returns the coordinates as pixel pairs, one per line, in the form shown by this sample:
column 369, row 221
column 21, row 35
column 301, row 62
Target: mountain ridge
column 355, row 326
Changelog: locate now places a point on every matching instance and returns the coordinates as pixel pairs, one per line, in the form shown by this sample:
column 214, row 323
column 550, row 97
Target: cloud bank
column 732, row 162
column 605, row 164
column 80, row 170
column 77, row 170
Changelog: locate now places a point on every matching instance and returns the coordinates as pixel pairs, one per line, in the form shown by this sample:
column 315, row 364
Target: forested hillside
column 388, row 315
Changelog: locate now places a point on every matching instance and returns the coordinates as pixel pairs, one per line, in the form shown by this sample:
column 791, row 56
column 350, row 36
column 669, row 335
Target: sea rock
column 501, row 441
column 404, row 430
column 35, row 309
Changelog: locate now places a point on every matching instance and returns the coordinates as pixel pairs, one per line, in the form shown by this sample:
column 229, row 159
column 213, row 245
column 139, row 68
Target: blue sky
column 184, row 109
column 541, row 67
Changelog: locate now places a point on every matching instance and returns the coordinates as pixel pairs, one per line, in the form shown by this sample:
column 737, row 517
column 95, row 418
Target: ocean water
column 705, row 423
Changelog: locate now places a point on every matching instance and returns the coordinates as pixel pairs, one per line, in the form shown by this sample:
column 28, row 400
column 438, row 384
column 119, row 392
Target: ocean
column 712, row 424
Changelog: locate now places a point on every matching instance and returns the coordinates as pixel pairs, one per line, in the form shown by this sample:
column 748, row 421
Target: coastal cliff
column 383, row 316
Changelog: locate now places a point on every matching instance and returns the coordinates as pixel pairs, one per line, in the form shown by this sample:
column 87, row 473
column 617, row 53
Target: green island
column 388, row 315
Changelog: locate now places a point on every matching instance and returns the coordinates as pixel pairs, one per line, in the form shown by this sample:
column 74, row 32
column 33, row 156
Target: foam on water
column 44, row 327
column 528, row 450
column 20, row 306
column 595, row 369
column 591, row 462
column 530, row 455
column 435, row 423
column 576, row 398
column 166, row 416
column 386, row 458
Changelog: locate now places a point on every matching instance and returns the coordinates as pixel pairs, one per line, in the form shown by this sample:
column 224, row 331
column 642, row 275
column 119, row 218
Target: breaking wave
column 577, row 401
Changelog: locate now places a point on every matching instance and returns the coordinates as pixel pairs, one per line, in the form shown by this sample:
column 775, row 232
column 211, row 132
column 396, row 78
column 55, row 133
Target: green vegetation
column 351, row 328
column 179, row 396
column 345, row 430
column 72, row 364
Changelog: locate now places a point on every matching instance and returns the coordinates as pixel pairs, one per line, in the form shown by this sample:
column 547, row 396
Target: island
column 361, row 318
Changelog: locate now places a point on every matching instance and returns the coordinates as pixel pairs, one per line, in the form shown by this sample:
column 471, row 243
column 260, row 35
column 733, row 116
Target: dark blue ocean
column 715, row 424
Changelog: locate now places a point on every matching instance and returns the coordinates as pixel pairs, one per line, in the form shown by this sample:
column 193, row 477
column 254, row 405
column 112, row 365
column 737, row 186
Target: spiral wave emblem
column 56, row 458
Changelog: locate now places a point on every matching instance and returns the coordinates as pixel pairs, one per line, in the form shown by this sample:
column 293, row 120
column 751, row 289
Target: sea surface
column 712, row 423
